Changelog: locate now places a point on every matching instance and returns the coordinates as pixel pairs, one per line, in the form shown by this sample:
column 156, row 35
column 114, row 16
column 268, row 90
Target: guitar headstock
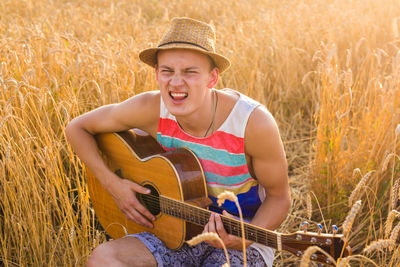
column 333, row 244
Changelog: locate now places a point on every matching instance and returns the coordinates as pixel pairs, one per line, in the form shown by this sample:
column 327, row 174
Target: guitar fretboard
column 201, row 216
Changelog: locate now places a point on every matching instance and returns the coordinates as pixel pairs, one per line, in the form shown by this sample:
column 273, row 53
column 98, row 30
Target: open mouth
column 178, row 96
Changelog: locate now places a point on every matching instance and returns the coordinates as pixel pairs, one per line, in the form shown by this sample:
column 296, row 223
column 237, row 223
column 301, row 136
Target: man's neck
column 200, row 123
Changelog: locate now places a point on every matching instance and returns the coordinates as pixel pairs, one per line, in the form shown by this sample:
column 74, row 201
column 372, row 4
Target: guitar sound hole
column 150, row 201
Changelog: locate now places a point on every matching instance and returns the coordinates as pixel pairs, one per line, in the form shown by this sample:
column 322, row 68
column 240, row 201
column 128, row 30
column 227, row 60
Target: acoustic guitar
column 179, row 199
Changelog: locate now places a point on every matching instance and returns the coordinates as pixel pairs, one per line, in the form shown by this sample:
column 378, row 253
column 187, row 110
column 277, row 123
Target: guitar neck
column 232, row 226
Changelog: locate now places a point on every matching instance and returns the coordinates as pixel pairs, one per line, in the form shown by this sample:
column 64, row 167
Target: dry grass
column 329, row 71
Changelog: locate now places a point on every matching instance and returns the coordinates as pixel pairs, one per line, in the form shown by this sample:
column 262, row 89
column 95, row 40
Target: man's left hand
column 215, row 225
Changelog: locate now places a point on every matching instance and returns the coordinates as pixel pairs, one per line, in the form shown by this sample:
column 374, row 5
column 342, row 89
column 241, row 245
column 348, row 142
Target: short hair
column 212, row 63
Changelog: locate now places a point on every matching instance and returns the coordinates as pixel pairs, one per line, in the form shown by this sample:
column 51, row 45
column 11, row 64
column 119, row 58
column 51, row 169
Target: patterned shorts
column 200, row 255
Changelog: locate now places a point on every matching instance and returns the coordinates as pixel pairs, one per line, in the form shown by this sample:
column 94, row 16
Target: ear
column 214, row 75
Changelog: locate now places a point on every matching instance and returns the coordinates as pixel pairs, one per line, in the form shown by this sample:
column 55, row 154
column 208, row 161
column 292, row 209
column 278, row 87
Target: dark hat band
column 183, row 42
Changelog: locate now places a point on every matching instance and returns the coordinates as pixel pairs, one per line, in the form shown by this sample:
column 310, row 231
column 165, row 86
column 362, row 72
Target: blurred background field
column 329, row 71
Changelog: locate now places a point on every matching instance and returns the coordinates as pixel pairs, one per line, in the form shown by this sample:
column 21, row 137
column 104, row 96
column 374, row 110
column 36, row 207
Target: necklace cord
column 215, row 103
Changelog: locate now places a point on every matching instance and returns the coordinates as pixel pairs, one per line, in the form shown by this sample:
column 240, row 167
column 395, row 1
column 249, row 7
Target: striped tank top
column 221, row 155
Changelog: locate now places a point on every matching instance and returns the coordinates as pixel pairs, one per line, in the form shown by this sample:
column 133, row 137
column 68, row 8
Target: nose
column 176, row 80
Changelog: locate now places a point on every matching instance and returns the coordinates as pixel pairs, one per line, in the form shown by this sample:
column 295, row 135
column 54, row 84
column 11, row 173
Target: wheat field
column 329, row 71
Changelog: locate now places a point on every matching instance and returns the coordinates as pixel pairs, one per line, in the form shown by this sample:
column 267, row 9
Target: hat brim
column 149, row 56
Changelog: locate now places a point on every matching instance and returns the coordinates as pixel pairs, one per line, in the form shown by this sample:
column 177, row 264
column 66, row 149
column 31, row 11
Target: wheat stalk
column 348, row 222
column 209, row 236
column 306, row 258
column 226, row 195
column 387, row 160
column 380, row 245
column 346, row 261
column 395, row 233
column 309, row 206
column 231, row 196
column 355, row 171
column 356, row 192
column 395, row 194
column 389, row 221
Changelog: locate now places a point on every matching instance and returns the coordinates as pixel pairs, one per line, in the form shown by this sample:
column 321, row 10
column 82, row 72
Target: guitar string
column 253, row 234
column 204, row 215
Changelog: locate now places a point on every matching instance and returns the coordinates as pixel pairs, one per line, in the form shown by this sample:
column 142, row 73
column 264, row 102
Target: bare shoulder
column 145, row 103
column 228, row 97
column 226, row 102
column 140, row 111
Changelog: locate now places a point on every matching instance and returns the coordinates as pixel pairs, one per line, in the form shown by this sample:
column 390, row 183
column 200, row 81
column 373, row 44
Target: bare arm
column 141, row 112
column 264, row 145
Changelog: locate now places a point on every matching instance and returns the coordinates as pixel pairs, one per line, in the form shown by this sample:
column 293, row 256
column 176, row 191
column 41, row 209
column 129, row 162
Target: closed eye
column 166, row 71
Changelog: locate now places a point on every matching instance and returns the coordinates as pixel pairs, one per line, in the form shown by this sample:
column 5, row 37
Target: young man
column 235, row 138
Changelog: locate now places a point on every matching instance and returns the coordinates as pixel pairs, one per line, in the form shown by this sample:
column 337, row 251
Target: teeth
column 179, row 94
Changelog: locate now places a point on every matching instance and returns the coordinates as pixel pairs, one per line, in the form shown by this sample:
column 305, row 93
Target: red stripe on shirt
column 223, row 170
column 232, row 144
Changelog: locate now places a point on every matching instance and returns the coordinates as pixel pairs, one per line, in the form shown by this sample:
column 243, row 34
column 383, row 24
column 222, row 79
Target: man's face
column 183, row 77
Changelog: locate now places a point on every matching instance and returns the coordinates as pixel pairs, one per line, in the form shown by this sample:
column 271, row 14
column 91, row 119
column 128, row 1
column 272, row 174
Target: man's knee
column 103, row 255
column 128, row 251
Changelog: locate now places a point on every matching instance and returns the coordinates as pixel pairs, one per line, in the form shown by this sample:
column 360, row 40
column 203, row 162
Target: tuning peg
column 334, row 229
column 319, row 228
column 304, row 226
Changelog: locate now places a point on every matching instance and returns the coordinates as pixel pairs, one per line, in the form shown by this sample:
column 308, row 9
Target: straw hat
column 188, row 34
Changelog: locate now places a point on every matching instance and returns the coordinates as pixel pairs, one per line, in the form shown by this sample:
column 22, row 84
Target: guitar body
column 136, row 156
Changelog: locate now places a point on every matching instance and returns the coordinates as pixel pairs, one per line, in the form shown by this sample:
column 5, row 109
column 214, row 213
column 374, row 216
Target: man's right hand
column 80, row 134
column 124, row 193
